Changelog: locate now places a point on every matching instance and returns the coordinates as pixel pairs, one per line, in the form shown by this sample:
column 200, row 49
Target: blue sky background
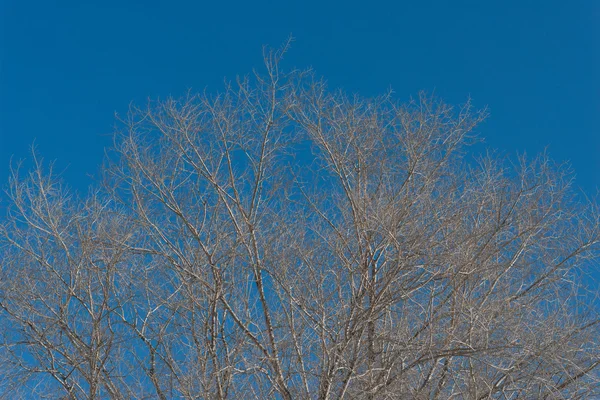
column 67, row 66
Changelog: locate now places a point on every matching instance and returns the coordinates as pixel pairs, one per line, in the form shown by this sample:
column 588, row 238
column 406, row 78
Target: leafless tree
column 280, row 240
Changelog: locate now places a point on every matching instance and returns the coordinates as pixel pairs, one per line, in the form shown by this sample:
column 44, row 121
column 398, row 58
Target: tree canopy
column 284, row 240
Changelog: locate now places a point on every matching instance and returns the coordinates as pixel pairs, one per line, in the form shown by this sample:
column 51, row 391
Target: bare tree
column 280, row 240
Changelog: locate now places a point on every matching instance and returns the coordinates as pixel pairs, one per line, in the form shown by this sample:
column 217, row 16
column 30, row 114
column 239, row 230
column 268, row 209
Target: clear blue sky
column 68, row 66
